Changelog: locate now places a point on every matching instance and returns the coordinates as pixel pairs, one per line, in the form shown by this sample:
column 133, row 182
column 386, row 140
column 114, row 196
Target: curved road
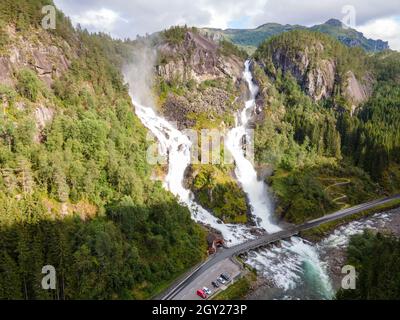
column 269, row 238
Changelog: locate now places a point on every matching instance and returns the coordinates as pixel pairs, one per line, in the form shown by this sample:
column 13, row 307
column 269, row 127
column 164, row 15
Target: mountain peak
column 334, row 23
column 252, row 38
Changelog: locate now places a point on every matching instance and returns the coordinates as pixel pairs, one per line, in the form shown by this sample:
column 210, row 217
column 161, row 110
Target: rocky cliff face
column 357, row 91
column 318, row 81
column 38, row 52
column 197, row 58
column 202, row 84
column 49, row 57
column 319, row 74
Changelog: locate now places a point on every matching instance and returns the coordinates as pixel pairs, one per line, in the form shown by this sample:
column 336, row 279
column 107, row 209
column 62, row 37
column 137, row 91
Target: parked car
column 225, row 276
column 207, row 291
column 215, row 284
column 201, row 294
column 221, row 280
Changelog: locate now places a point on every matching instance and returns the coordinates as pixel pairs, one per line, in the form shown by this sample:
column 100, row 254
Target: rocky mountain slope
column 326, row 113
column 198, row 79
column 349, row 36
column 321, row 66
column 195, row 57
column 199, row 86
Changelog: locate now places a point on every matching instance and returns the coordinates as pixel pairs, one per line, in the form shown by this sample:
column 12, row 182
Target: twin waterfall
column 257, row 194
column 176, row 146
column 287, row 265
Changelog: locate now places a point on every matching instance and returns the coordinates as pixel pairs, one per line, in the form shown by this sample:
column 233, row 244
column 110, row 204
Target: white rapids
column 340, row 237
column 288, row 264
column 292, row 261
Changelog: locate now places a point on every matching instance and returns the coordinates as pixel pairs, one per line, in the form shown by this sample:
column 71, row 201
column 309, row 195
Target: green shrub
column 175, row 35
column 8, row 94
column 29, row 86
column 4, row 39
column 227, row 48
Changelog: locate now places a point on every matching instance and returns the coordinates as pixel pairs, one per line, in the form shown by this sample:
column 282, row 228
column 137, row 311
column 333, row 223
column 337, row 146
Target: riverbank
column 333, row 247
column 332, row 252
column 239, row 288
column 318, row 233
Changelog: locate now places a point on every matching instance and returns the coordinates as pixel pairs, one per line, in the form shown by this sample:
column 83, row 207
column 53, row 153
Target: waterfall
column 176, row 146
column 256, row 190
column 295, row 260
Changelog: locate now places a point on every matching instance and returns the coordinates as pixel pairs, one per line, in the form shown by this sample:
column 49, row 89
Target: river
column 294, row 267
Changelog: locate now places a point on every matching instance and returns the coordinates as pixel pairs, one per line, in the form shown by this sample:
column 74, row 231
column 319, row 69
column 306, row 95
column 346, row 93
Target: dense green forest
column 376, row 258
column 372, row 138
column 326, row 156
column 78, row 195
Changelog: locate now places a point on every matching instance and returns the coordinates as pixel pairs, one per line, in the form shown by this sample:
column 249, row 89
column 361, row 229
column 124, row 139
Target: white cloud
column 127, row 18
column 387, row 29
column 223, row 12
column 309, row 12
column 98, row 20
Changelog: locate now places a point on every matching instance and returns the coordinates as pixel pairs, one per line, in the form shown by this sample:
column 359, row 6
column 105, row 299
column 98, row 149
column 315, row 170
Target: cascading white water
column 294, row 266
column 340, row 237
column 295, row 260
column 255, row 189
column 176, row 146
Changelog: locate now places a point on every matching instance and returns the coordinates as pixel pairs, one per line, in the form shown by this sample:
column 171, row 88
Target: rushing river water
column 290, row 263
column 295, row 278
column 294, row 266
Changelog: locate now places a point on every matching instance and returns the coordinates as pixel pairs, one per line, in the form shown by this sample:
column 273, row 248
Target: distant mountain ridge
column 252, row 38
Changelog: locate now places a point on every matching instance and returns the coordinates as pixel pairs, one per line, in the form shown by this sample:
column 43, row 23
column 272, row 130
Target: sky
column 129, row 18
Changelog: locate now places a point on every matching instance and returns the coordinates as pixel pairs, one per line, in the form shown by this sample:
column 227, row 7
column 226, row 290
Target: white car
column 221, row 280
column 207, row 291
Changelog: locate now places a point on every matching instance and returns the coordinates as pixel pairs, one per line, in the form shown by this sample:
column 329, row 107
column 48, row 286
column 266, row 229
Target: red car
column 201, row 294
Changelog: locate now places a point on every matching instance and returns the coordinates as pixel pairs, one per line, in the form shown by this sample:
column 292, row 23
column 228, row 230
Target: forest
column 78, row 195
column 325, row 155
column 372, row 139
column 376, row 258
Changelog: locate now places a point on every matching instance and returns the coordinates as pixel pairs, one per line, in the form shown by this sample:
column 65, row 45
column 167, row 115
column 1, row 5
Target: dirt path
column 339, row 196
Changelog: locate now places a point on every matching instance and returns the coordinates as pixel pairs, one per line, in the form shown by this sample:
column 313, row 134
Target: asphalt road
column 266, row 239
column 205, row 279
